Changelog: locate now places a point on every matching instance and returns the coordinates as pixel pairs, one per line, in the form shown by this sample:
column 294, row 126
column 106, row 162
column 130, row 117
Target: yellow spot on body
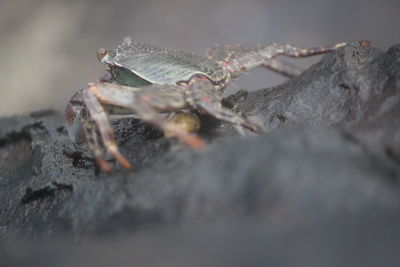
column 188, row 122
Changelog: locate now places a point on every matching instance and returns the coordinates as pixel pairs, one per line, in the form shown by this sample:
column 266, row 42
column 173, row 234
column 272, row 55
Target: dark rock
column 352, row 241
column 338, row 157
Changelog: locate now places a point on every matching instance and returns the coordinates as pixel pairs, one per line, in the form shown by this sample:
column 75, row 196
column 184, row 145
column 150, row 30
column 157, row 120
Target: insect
column 148, row 80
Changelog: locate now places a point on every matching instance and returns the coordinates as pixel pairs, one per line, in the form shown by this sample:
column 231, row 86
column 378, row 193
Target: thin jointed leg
column 202, row 95
column 284, row 68
column 99, row 116
column 224, row 53
column 246, row 60
column 92, row 139
column 145, row 102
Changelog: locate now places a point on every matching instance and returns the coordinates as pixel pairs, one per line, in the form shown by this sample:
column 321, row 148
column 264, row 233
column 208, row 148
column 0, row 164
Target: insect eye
column 101, row 53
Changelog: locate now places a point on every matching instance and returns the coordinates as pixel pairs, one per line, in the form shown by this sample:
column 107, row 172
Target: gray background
column 47, row 47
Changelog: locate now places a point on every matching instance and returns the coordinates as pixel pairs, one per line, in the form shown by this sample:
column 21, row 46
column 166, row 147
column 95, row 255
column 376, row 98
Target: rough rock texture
column 332, row 152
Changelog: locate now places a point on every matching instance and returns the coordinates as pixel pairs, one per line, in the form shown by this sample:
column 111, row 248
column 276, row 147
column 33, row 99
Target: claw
column 103, row 164
column 190, row 139
column 253, row 127
column 120, row 158
column 257, row 129
column 194, row 141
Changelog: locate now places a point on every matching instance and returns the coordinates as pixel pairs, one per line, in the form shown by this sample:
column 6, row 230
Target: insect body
column 147, row 80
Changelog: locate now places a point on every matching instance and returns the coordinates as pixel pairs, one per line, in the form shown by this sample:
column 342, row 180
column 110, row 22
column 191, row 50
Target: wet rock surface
column 332, row 153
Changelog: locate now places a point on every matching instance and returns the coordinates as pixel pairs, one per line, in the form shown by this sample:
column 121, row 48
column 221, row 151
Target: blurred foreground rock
column 332, row 154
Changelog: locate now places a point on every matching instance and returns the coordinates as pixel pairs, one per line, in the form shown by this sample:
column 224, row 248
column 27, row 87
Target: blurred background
column 47, row 47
